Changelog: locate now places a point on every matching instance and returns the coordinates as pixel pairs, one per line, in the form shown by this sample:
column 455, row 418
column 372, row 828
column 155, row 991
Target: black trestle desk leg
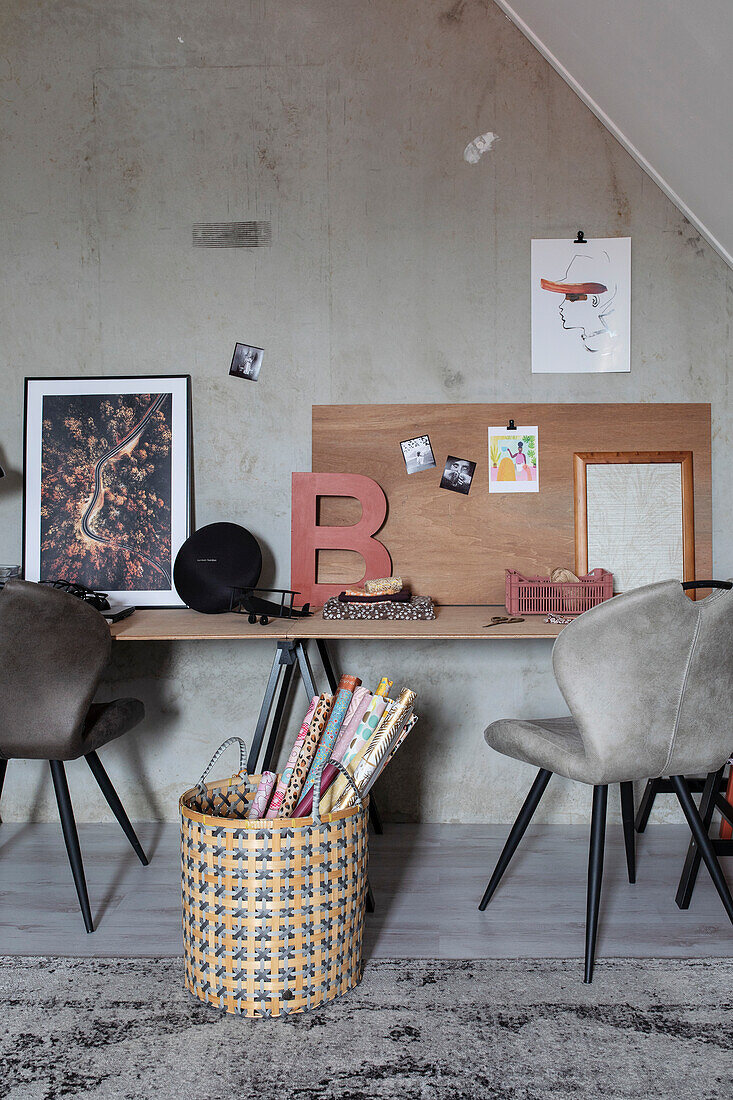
column 627, row 816
column 704, row 842
column 369, row 899
column 595, row 876
column 688, row 878
column 278, row 717
column 374, row 816
column 327, row 666
column 518, row 830
column 645, row 806
column 264, row 715
column 71, row 838
column 113, row 801
column 306, row 672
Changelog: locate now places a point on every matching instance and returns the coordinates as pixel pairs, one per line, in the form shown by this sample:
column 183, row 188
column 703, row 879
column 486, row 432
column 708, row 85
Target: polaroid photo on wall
column 418, row 454
column 458, row 475
column 246, row 362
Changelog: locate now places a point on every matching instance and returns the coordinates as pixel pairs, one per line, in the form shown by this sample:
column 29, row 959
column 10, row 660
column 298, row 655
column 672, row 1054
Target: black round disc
column 212, row 561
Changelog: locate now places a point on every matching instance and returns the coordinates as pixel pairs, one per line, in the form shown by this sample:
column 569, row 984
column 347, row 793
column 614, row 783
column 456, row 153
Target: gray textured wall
column 397, row 272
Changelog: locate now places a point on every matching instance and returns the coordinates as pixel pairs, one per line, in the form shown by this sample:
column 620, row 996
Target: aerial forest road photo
column 106, row 490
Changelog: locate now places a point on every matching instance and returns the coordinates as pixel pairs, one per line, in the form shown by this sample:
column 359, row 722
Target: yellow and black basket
column 273, row 910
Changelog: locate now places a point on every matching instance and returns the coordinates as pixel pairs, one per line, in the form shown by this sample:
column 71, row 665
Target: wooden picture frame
column 633, row 510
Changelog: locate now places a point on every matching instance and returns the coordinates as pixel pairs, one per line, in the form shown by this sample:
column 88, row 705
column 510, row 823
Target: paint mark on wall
column 480, row 145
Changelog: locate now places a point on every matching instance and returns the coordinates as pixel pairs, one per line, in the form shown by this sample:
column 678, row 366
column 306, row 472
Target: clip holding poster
column 514, row 459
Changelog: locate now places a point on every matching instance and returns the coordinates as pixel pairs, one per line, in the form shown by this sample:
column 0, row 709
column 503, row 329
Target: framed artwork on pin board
column 635, row 516
column 107, row 485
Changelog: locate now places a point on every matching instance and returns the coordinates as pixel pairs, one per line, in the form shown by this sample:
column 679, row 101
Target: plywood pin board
column 455, row 548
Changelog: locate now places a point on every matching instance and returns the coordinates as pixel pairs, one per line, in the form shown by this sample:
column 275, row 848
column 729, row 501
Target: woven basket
column 273, row 910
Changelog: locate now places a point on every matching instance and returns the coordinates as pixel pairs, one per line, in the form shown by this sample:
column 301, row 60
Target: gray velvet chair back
column 648, row 677
column 53, row 651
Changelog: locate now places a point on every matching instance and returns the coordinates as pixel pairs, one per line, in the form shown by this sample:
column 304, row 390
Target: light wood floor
column 427, row 879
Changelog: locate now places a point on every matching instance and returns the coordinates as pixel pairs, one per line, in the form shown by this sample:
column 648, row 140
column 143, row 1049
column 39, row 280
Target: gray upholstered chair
column 53, row 650
column 648, row 679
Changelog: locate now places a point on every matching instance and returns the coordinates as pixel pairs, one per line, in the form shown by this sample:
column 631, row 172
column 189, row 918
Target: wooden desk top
column 450, row 623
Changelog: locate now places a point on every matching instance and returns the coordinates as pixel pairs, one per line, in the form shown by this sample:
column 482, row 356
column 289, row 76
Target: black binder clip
column 511, row 426
column 580, row 239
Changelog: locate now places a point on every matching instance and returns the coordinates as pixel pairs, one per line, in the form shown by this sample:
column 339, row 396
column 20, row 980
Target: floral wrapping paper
column 282, row 786
column 305, row 756
column 262, row 797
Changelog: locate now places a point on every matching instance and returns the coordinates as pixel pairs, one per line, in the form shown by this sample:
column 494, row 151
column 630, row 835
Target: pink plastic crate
column 540, row 595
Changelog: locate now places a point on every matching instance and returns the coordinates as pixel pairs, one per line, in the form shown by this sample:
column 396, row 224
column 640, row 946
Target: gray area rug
column 511, row 1030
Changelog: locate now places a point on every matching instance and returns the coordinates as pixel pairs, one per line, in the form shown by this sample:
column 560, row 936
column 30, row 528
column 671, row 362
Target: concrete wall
column 397, row 272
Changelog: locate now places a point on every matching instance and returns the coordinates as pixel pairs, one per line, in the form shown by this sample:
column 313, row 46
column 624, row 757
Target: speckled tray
column 419, row 607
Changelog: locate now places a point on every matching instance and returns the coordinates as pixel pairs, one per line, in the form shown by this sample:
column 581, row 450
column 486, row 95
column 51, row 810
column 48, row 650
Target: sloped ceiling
column 660, row 78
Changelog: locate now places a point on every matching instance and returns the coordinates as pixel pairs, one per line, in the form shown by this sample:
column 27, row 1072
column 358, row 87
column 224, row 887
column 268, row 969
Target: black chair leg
column 595, row 875
column 645, row 806
column 3, row 769
column 627, row 816
column 113, row 801
column 519, row 827
column 688, row 878
column 71, row 838
column 369, row 899
column 703, row 841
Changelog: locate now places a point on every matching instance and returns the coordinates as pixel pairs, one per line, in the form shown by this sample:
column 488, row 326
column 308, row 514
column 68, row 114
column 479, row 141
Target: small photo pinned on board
column 418, row 454
column 246, row 362
column 458, row 475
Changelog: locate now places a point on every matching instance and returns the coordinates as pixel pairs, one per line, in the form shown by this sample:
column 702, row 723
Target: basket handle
column 225, row 745
column 316, row 812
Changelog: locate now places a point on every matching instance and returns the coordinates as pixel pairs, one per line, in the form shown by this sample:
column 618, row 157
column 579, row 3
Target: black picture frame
column 182, row 511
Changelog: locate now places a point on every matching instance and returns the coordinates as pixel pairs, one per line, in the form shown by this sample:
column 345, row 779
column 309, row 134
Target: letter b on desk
column 307, row 537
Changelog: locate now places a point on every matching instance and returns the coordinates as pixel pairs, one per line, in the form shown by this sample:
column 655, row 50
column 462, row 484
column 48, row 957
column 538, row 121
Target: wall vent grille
column 232, row 234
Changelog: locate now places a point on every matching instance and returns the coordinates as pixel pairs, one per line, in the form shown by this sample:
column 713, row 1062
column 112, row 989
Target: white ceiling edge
column 616, row 131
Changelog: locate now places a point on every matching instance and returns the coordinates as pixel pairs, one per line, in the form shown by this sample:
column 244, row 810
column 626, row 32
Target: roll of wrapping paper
column 398, row 743
column 277, row 799
column 368, row 728
column 379, row 747
column 347, row 686
column 381, row 585
column 305, row 756
column 262, row 797
column 360, row 700
column 305, row 806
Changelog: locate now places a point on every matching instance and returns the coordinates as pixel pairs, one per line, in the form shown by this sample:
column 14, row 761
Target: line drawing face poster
column 581, row 306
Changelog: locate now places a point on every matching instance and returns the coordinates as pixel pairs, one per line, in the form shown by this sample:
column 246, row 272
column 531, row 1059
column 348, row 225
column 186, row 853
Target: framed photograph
column 458, row 475
column 635, row 516
column 107, row 483
column 246, row 362
column 418, row 454
column 581, row 306
column 514, row 460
